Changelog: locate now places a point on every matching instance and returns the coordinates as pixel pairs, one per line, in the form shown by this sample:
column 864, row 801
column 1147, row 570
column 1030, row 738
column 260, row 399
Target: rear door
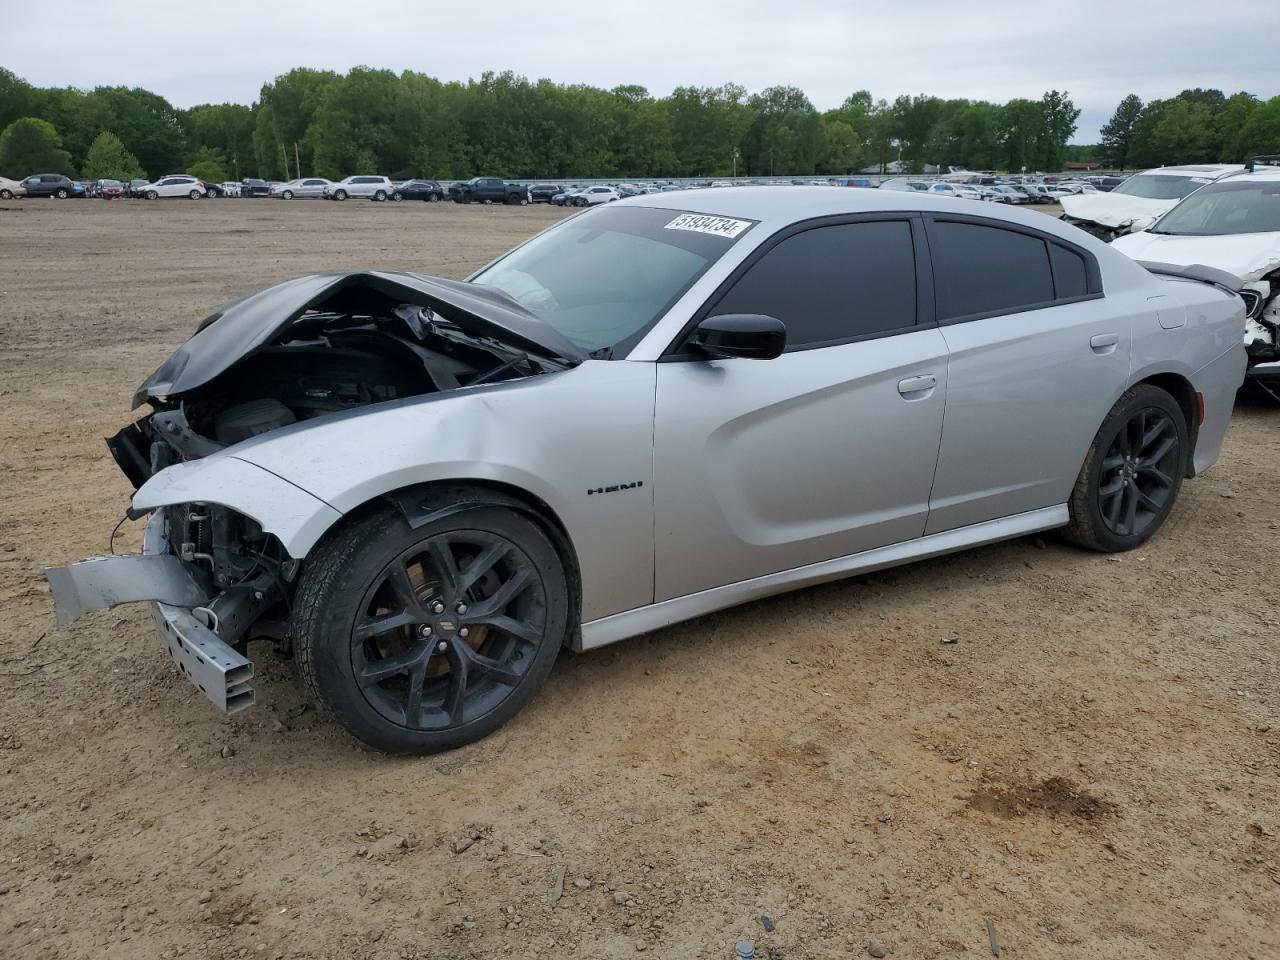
column 1037, row 357
column 828, row 450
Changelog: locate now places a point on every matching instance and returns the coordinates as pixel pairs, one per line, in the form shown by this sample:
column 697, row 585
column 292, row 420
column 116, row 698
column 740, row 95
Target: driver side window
column 833, row 284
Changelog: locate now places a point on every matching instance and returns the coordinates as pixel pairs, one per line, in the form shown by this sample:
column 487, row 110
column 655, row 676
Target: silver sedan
column 307, row 188
column 656, row 409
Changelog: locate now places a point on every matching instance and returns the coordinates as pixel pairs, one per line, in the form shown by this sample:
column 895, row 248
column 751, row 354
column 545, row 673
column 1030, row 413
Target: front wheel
column 287, row 195
column 397, row 196
column 61, row 193
column 340, row 195
column 1132, row 474
column 426, row 639
column 433, row 198
column 152, row 195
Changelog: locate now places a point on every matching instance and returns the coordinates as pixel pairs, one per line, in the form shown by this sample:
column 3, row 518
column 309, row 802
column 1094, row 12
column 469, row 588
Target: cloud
column 992, row 50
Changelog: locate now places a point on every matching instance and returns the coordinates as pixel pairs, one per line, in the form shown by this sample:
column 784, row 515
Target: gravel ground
column 1083, row 750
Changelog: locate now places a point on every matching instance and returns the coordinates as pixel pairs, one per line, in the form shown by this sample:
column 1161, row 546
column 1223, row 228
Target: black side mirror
column 752, row 336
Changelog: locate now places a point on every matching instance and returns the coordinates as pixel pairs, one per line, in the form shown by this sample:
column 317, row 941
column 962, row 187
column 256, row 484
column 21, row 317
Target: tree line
column 321, row 123
column 1196, row 126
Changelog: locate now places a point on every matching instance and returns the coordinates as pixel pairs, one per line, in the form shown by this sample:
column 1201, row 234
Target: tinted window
column 981, row 269
column 1070, row 277
column 833, row 283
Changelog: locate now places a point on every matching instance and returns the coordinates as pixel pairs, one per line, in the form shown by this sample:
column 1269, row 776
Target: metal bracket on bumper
column 179, row 596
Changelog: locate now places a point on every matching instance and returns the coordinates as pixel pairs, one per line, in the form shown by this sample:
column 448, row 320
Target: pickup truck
column 489, row 190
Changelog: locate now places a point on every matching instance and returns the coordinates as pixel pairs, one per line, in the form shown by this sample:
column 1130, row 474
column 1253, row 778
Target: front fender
column 297, row 518
column 580, row 441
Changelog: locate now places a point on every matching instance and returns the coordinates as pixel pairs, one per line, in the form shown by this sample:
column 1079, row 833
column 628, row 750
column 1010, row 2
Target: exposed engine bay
column 360, row 341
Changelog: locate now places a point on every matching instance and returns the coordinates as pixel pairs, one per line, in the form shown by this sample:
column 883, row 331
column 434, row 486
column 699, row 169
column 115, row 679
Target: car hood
column 244, row 326
column 1250, row 256
column 1114, row 210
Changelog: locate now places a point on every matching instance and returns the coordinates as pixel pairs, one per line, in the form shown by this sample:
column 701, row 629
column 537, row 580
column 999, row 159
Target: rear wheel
column 194, row 194
column 380, row 195
column 426, row 639
column 1132, row 474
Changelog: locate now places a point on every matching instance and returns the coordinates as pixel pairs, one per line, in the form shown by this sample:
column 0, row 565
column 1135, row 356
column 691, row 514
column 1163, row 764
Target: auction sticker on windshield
column 716, row 226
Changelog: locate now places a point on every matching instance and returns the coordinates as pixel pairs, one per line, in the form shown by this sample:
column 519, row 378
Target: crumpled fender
column 1115, row 210
column 296, row 517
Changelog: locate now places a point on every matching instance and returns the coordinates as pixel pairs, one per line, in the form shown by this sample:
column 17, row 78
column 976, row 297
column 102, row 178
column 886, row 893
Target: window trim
column 678, row 349
column 1092, row 272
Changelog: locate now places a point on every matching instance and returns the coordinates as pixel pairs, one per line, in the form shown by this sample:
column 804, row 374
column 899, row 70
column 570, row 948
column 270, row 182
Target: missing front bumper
column 178, row 598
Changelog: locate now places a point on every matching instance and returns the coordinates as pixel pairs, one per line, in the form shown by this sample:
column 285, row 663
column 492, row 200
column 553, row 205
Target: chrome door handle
column 913, row 386
column 1104, row 343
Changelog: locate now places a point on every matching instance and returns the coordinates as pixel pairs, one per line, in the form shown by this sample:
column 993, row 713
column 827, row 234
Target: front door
column 828, row 450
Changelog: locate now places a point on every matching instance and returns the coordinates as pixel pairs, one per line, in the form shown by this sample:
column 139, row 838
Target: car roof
column 1203, row 169
column 776, row 207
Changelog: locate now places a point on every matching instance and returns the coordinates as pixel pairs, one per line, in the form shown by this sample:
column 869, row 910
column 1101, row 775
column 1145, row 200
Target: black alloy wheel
column 420, row 639
column 1137, row 481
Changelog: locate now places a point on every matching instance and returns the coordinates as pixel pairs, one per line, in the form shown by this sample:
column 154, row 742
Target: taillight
column 1199, row 408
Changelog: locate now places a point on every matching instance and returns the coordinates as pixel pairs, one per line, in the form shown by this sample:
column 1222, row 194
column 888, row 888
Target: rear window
column 1070, row 275
column 987, row 270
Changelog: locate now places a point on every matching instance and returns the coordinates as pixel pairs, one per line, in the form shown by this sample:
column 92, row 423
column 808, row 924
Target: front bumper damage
column 196, row 627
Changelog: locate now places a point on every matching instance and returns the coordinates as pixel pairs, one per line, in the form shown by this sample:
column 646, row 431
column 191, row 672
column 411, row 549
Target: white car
column 960, row 191
column 1136, row 203
column 305, row 188
column 175, row 185
column 1232, row 225
column 590, row 196
column 370, row 188
column 11, row 188
column 1076, row 187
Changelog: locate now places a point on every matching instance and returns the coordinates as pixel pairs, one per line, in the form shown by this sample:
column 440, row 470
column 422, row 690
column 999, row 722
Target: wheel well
column 1180, row 388
column 424, row 501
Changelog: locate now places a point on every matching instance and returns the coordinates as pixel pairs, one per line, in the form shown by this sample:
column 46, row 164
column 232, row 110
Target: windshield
column 1161, row 186
column 1225, row 208
column 604, row 277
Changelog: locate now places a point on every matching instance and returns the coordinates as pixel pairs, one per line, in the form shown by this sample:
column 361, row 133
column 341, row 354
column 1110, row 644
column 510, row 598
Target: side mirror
column 751, row 336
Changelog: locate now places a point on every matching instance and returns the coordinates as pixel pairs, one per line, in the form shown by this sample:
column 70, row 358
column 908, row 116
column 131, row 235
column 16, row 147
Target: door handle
column 917, row 387
column 1104, row 343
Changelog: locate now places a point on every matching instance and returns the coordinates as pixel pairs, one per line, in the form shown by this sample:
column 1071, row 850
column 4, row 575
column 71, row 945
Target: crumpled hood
column 244, row 326
column 1114, row 210
column 1250, row 256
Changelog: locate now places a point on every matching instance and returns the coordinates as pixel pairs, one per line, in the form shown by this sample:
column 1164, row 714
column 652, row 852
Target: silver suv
column 371, row 188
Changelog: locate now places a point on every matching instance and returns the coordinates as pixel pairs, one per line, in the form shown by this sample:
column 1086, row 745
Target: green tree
column 209, row 165
column 17, row 98
column 109, row 160
column 842, row 151
column 31, row 145
column 1261, row 132
column 1183, row 133
column 1117, row 133
column 785, row 135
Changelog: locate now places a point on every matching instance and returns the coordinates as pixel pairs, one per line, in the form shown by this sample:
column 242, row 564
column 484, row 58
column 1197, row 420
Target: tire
column 152, row 195
column 6, row 194
column 340, row 195
column 380, row 195
column 397, row 196
column 433, row 198
column 1132, row 474
column 194, row 194
column 350, row 587
column 61, row 193
column 287, row 195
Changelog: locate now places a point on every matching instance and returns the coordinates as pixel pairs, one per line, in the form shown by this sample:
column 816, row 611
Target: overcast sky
column 990, row 50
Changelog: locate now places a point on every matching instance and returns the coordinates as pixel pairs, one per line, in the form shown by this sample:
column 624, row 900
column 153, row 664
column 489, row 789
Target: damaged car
column 1136, row 203
column 1231, row 225
column 423, row 489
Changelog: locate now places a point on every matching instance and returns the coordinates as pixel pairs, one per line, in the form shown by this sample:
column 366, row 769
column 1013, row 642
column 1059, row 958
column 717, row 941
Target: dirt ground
column 1083, row 750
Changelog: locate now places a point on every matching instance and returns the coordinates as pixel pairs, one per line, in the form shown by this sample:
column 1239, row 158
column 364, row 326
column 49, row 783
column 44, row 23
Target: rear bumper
column 178, row 594
column 1218, row 382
